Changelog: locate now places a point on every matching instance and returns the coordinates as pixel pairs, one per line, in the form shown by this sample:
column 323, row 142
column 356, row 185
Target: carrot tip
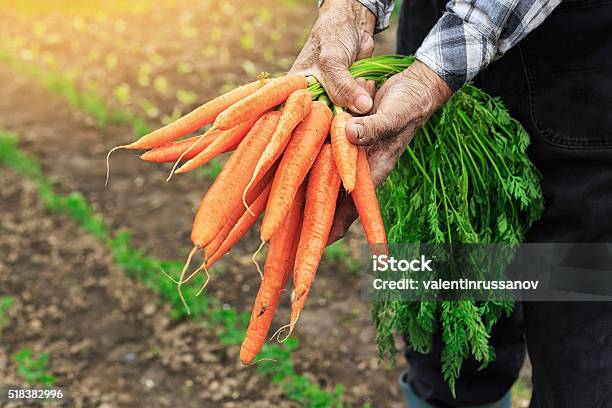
column 291, row 326
column 207, row 279
column 278, row 332
column 173, row 169
column 181, row 281
column 108, row 160
column 293, row 323
column 349, row 186
column 251, row 363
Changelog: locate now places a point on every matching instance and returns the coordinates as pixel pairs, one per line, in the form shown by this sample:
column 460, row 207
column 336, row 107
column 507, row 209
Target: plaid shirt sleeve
column 380, row 8
column 471, row 34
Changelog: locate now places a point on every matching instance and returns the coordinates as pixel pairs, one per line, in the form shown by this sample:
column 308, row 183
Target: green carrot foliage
column 465, row 178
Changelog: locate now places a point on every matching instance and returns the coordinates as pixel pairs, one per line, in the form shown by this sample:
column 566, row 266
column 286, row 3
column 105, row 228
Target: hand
column 342, row 34
column 402, row 105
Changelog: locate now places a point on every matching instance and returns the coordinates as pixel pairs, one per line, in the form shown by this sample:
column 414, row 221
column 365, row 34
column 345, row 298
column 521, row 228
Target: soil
column 111, row 343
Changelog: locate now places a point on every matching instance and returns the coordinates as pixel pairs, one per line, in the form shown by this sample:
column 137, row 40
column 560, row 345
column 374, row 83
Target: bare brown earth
column 109, row 340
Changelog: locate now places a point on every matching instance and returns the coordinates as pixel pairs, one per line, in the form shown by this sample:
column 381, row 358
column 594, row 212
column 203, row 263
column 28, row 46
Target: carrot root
column 181, row 281
column 176, row 163
column 259, row 361
column 344, row 152
column 244, row 194
column 291, row 325
column 298, row 157
column 294, row 322
column 254, row 258
column 108, row 160
column 364, row 197
column 203, row 266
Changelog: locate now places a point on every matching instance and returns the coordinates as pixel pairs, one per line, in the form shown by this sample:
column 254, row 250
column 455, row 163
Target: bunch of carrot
column 290, row 157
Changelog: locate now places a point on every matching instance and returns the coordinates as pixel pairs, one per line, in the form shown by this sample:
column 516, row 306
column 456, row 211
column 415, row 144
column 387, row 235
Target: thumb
column 367, row 130
column 342, row 88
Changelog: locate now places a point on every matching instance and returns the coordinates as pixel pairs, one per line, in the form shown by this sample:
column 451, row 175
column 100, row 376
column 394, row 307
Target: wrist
column 357, row 12
column 434, row 90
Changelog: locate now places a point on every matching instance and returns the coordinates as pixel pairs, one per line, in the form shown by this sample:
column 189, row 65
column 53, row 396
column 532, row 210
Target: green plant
column 186, row 97
column 33, row 370
column 122, row 93
column 247, row 41
column 160, row 83
column 184, row 68
column 6, row 302
column 144, row 74
column 210, row 171
column 465, row 178
column 339, row 253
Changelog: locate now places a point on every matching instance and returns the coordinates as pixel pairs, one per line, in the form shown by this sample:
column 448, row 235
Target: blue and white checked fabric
column 470, row 34
column 382, row 9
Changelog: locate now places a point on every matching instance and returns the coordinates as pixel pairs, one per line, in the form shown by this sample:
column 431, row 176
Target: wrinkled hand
column 342, row 34
column 402, row 105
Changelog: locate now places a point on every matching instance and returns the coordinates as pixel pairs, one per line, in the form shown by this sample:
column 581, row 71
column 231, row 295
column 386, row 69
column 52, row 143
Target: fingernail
column 354, row 130
column 363, row 103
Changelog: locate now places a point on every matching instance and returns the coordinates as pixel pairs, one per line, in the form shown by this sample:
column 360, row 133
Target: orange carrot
column 300, row 154
column 203, row 115
column 226, row 140
column 279, row 263
column 196, row 119
column 345, row 153
column 321, row 196
column 364, row 197
column 298, row 105
column 267, row 97
column 240, row 221
column 247, row 220
column 172, row 151
column 223, row 197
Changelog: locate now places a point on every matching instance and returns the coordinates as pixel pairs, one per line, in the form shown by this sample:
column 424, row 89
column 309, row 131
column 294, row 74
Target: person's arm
column 381, row 9
column 468, row 36
column 472, row 34
column 463, row 42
